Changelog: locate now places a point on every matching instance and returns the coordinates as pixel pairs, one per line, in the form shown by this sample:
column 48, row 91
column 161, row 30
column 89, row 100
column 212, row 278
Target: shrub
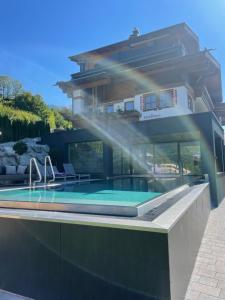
column 20, row 148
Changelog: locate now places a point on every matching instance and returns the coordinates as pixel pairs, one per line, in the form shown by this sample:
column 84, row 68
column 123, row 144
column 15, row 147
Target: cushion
column 21, row 169
column 10, row 170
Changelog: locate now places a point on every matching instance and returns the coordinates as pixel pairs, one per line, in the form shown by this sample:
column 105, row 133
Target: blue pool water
column 111, row 192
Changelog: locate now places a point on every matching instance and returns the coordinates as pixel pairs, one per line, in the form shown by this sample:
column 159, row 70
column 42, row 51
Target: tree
column 12, row 94
column 9, row 88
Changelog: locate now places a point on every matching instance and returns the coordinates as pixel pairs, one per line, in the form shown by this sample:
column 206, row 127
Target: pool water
column 111, row 192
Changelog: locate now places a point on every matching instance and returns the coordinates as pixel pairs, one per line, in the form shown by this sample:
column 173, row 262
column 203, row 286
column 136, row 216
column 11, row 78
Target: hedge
column 17, row 124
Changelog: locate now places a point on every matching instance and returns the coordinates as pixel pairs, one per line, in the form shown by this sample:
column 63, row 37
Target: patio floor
column 208, row 278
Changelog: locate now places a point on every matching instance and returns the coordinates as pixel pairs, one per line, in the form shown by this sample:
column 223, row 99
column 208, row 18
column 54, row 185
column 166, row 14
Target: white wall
column 78, row 105
column 181, row 108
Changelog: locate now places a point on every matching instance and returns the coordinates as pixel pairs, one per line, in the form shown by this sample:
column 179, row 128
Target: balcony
column 98, row 117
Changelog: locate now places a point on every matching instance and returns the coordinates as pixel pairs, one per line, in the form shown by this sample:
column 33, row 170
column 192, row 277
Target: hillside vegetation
column 19, row 105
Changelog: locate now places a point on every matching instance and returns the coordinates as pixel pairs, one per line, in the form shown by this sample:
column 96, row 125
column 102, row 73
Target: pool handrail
column 34, row 161
column 48, row 160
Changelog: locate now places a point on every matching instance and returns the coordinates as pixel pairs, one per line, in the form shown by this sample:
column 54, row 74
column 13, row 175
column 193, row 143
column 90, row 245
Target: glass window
column 166, row 158
column 109, row 108
column 142, row 159
column 150, row 101
column 121, row 162
column 129, row 106
column 190, row 103
column 166, row 99
column 82, row 67
column 190, row 158
column 87, row 157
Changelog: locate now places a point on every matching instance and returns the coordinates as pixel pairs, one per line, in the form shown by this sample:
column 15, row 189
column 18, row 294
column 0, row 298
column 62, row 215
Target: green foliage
column 20, row 148
column 32, row 103
column 17, row 115
column 60, row 121
column 36, row 105
column 24, row 106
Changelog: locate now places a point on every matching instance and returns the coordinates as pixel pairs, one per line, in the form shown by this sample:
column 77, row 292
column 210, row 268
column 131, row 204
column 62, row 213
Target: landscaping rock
column 9, row 157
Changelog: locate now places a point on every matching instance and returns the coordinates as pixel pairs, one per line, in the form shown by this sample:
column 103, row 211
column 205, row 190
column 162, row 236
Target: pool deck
column 208, row 278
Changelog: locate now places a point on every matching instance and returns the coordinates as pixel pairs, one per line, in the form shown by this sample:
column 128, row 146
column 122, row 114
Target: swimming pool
column 123, row 197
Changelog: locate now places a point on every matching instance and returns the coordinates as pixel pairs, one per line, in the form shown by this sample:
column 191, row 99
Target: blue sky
column 37, row 36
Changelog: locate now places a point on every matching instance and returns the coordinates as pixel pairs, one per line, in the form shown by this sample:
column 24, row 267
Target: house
column 150, row 104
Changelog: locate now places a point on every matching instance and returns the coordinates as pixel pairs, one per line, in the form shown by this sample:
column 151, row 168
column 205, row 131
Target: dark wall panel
column 109, row 264
column 29, row 258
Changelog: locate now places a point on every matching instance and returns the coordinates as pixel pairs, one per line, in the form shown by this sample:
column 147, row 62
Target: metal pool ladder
column 33, row 161
column 48, row 160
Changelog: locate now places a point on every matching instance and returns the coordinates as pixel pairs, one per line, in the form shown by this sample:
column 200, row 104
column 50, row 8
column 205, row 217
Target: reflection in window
column 160, row 100
column 190, row 158
column 150, row 101
column 87, row 157
column 166, row 99
column 109, row 108
column 129, row 106
column 142, row 159
column 166, row 158
column 121, row 162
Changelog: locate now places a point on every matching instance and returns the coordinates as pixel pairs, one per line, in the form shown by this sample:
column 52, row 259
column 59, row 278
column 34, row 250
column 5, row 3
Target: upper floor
column 161, row 73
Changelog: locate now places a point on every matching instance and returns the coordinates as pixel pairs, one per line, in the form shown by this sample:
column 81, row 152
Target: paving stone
column 221, row 284
column 207, row 297
column 192, row 295
column 203, row 288
column 220, row 276
column 222, row 294
column 208, row 281
column 208, row 277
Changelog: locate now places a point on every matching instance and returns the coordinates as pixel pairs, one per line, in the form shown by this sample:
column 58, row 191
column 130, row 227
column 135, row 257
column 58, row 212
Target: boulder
column 9, row 157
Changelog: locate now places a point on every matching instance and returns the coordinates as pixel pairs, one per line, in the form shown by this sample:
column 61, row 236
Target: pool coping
column 162, row 224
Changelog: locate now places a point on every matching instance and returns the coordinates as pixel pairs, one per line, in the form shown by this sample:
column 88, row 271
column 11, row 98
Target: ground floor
column 190, row 146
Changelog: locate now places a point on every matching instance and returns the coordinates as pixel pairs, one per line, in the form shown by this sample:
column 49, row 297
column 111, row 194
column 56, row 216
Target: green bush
column 20, row 148
column 17, row 115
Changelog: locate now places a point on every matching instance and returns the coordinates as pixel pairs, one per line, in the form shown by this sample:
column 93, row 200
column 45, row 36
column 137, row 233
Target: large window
column 159, row 100
column 142, row 159
column 162, row 158
column 121, row 161
column 166, row 99
column 129, row 106
column 150, row 102
column 166, row 158
column 190, row 158
column 87, row 157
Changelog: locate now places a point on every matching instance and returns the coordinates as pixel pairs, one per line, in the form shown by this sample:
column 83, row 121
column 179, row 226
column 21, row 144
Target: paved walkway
column 208, row 278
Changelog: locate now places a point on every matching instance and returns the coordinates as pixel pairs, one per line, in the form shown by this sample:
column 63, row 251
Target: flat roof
column 150, row 35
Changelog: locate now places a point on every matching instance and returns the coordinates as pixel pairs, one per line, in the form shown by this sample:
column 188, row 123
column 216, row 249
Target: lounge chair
column 61, row 175
column 70, row 171
column 15, row 174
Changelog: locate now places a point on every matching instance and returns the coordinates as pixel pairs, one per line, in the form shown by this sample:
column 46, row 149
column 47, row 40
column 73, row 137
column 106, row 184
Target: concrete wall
column 184, row 242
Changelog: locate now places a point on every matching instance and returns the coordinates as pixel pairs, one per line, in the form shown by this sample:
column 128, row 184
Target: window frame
column 144, row 100
column 158, row 102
